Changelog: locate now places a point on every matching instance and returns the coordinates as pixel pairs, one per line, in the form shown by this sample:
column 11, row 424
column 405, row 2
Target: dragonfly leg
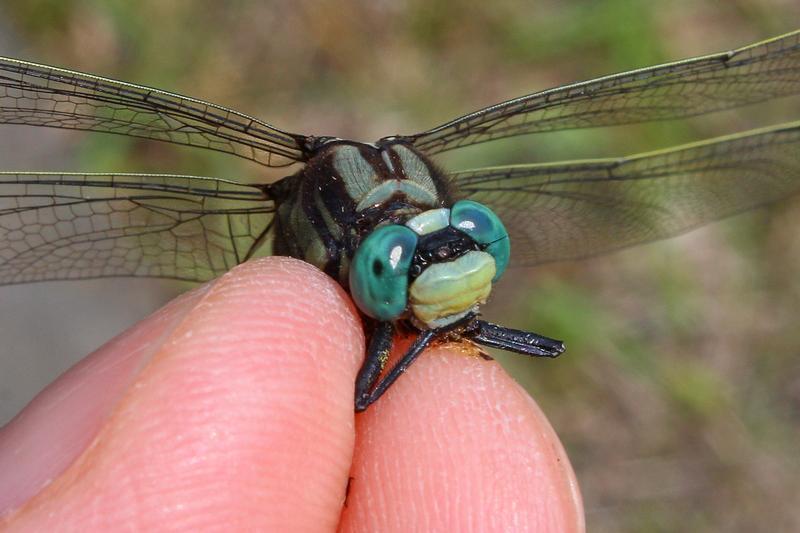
column 514, row 340
column 380, row 345
column 367, row 397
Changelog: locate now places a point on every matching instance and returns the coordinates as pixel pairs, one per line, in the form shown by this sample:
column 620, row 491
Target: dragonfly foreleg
column 365, row 396
column 514, row 340
column 380, row 345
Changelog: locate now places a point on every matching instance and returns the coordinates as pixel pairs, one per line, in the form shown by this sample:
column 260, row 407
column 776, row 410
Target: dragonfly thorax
column 344, row 192
column 383, row 229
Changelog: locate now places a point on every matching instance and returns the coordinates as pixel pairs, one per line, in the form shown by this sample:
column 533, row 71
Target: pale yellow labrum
column 450, row 289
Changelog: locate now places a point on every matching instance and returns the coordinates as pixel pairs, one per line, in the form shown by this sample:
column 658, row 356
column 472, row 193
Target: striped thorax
column 388, row 229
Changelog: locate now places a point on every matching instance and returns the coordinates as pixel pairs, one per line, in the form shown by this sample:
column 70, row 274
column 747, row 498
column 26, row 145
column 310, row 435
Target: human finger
column 242, row 418
column 457, row 445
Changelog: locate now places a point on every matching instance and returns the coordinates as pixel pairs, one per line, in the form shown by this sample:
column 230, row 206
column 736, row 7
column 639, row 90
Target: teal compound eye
column 485, row 228
column 379, row 272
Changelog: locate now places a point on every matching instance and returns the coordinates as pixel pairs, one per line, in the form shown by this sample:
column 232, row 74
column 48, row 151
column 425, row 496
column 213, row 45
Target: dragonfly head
column 434, row 269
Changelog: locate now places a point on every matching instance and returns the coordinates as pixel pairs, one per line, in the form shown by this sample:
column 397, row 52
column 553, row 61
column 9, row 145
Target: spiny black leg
column 378, row 352
column 416, row 348
column 514, row 340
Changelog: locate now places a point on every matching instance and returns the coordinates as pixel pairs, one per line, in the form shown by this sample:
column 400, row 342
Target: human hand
column 232, row 409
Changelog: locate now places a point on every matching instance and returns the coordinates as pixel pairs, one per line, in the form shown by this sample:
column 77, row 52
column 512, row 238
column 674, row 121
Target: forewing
column 74, row 226
column 40, row 95
column 577, row 209
column 755, row 73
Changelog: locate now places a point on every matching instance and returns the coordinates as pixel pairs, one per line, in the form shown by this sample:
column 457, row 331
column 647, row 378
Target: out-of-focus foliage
column 679, row 398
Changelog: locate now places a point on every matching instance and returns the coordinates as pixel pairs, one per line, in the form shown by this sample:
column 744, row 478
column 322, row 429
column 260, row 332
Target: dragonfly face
column 413, row 244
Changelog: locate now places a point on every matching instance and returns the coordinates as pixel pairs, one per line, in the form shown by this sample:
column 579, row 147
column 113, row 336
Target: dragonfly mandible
column 417, row 247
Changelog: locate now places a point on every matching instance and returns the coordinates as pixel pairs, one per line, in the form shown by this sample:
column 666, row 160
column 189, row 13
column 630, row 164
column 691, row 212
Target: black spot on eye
column 377, row 267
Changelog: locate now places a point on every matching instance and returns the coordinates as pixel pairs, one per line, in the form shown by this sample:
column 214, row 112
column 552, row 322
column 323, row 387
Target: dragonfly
column 417, row 247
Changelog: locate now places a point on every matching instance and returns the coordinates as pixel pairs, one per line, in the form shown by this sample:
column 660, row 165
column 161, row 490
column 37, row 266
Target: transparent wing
column 751, row 74
column 577, row 209
column 73, row 226
column 40, row 95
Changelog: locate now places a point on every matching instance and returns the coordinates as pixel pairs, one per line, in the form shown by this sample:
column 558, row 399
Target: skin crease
column 210, row 415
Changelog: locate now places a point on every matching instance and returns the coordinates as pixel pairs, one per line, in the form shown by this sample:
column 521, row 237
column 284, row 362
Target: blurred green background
column 679, row 398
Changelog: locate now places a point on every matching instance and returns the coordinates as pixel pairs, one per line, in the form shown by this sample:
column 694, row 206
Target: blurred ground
column 679, row 398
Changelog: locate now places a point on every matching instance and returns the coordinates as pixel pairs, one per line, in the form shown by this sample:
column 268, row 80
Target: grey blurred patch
column 47, row 327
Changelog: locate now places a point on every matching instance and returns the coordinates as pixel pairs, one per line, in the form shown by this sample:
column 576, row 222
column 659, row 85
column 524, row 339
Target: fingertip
column 454, row 445
column 243, row 417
